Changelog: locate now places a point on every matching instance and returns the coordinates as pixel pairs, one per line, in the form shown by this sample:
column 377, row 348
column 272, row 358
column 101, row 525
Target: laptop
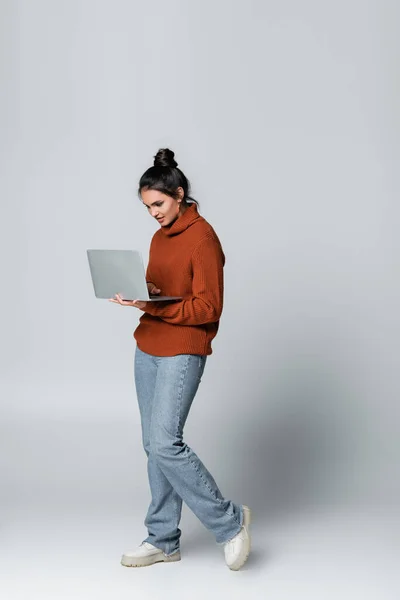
column 121, row 272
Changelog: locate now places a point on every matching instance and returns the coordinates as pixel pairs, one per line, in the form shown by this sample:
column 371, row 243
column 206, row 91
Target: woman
column 173, row 341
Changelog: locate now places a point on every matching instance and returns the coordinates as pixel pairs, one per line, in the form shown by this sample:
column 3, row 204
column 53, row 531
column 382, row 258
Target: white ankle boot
column 237, row 550
column 147, row 554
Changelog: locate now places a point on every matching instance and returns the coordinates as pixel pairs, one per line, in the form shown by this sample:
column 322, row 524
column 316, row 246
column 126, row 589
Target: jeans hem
column 230, row 538
column 162, row 549
column 241, row 519
column 174, row 552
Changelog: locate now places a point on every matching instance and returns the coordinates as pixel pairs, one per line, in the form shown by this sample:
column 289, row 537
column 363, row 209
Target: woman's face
column 162, row 207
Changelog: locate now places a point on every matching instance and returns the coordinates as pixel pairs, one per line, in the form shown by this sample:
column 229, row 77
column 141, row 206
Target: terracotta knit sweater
column 186, row 259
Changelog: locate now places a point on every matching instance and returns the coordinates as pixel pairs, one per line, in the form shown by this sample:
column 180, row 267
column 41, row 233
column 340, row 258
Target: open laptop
column 121, row 272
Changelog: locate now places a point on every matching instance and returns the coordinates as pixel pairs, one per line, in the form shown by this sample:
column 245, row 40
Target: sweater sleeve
column 206, row 302
column 149, row 274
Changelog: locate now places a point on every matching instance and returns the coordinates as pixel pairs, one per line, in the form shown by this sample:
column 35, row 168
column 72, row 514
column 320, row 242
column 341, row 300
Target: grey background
column 284, row 116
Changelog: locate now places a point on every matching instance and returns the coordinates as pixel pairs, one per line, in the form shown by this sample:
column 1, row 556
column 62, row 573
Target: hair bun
column 165, row 158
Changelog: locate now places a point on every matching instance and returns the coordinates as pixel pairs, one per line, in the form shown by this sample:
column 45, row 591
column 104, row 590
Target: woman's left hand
column 119, row 300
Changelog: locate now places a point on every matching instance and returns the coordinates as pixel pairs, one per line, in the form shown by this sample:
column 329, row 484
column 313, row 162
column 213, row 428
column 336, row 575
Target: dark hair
column 165, row 177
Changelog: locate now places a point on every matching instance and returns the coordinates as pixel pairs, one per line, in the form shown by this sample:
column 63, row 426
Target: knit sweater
column 185, row 259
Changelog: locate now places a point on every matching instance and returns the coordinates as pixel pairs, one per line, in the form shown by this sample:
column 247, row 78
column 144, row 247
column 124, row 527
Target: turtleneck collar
column 190, row 215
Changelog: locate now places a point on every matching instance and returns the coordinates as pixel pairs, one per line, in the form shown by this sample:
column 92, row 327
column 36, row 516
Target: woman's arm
column 206, row 303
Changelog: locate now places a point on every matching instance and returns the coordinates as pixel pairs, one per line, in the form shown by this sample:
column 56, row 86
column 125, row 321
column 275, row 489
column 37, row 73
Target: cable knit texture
column 186, row 259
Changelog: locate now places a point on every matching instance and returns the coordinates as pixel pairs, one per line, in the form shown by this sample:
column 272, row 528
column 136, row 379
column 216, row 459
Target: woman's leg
column 178, row 378
column 165, row 509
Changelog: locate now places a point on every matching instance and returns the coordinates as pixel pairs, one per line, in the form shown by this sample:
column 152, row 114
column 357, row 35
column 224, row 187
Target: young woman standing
column 173, row 341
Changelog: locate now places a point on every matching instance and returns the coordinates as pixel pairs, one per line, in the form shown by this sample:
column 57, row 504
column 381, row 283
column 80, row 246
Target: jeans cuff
column 174, row 552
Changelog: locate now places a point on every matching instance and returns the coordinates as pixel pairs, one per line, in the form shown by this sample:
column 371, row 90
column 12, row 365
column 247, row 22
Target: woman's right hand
column 152, row 289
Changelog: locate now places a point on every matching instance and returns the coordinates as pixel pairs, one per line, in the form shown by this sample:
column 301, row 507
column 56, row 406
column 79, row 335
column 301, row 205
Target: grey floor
column 74, row 495
column 341, row 553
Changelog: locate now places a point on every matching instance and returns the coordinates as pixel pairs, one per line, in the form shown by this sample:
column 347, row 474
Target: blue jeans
column 166, row 386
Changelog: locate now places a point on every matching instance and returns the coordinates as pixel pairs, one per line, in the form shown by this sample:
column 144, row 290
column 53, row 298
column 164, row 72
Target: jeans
column 166, row 386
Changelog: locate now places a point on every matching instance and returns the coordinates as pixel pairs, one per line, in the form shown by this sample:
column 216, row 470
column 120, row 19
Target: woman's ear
column 180, row 192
